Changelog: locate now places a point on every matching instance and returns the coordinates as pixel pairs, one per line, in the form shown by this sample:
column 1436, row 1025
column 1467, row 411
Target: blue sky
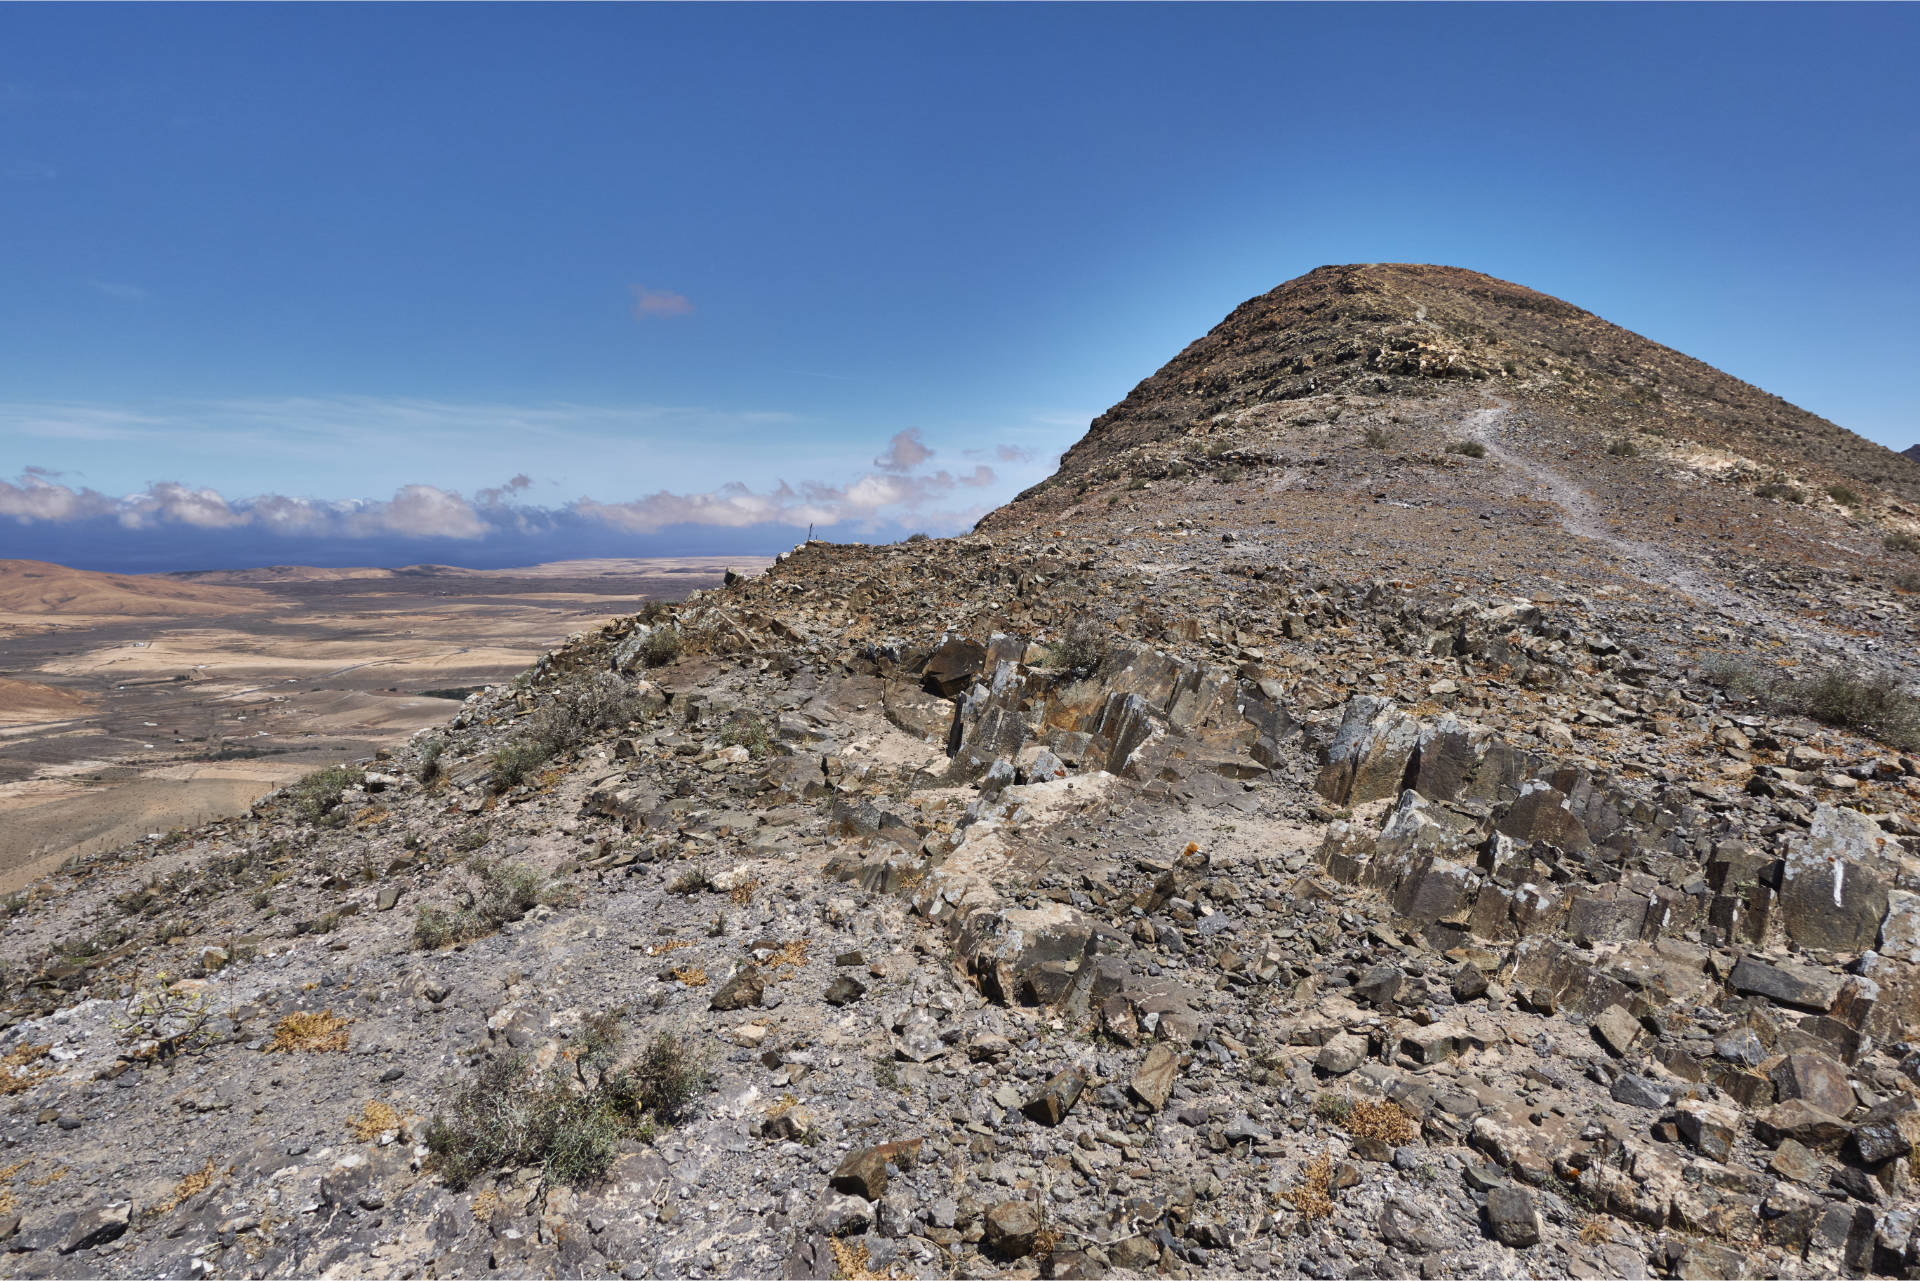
column 368, row 262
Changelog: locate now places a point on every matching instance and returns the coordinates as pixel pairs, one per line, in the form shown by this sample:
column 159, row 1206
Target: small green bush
column 1622, row 448
column 316, row 798
column 1082, row 649
column 1377, row 437
column 562, row 1120
column 918, row 538
column 1873, row 703
column 748, row 731
column 430, row 752
column 1842, row 495
column 1781, row 492
column 691, row 881
column 1901, row 541
column 516, row 762
column 1333, row 1107
column 1470, row 448
column 502, row 892
column 661, row 647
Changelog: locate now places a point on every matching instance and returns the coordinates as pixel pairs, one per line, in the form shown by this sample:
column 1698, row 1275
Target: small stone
column 1152, row 1082
column 1639, row 1091
column 97, row 1227
column 1341, row 1055
column 1617, row 1030
column 1057, row 1097
column 1469, row 983
column 1512, row 1216
column 1795, row 1160
column 1797, row 1119
column 1379, row 985
column 1810, row 1075
column 863, row 1173
column 743, row 989
column 1011, row 1228
column 389, row 897
column 845, row 990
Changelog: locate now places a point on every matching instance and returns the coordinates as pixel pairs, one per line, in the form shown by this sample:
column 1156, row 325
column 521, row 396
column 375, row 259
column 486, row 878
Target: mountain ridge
column 1434, row 825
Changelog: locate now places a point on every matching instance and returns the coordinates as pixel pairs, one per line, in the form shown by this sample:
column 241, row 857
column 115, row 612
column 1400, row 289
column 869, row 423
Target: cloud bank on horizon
column 903, row 490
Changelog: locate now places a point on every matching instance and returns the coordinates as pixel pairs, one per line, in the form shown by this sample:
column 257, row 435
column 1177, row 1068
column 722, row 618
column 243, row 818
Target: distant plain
column 132, row 704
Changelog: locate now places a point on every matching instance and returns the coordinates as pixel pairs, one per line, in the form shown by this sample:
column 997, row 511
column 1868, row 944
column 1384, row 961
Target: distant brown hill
column 1394, row 330
column 38, row 588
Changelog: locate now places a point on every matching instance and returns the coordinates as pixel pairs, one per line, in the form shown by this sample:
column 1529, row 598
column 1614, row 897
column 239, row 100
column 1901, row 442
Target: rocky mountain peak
column 1363, row 336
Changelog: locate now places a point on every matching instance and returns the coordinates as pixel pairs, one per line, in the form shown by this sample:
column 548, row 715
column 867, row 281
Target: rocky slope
column 1371, row 827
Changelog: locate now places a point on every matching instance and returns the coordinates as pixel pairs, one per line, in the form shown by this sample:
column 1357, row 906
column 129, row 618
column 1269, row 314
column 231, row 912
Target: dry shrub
column 854, row 1264
column 793, row 952
column 18, row 1071
column 375, row 1120
column 692, row 975
column 743, row 892
column 1594, row 1229
column 313, row 1031
column 666, row 946
column 1313, row 1198
column 191, row 1186
column 1380, row 1119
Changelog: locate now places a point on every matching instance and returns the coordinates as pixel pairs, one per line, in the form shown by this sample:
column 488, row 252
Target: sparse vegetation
column 1901, row 541
column 316, row 798
column 1380, row 1119
column 1313, row 1195
column 375, row 1119
column 1082, row 649
column 187, row 1188
column 1333, row 1107
column 570, row 1119
column 662, row 645
column 918, row 538
column 1377, row 437
column 503, row 891
column 1842, row 495
column 429, row 769
column 691, row 881
column 21, row 1068
column 1872, row 702
column 160, row 1021
column 748, row 731
column 574, row 715
column 1467, row 448
column 1622, row 448
column 1781, row 492
column 309, row 1031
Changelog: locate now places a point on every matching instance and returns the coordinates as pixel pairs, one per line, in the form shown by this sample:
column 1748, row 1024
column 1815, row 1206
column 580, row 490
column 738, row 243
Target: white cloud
column 904, row 452
column 120, row 290
column 659, row 302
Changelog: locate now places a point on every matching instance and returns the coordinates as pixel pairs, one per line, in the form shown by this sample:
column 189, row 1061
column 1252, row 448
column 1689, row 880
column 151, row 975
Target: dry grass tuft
column 743, row 892
column 852, row 1263
column 1314, row 1197
column 315, row 1032
column 375, row 1119
column 692, row 975
column 1380, row 1119
column 191, row 1186
column 17, row 1070
column 793, row 952
column 661, row 949
column 1594, row 1229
